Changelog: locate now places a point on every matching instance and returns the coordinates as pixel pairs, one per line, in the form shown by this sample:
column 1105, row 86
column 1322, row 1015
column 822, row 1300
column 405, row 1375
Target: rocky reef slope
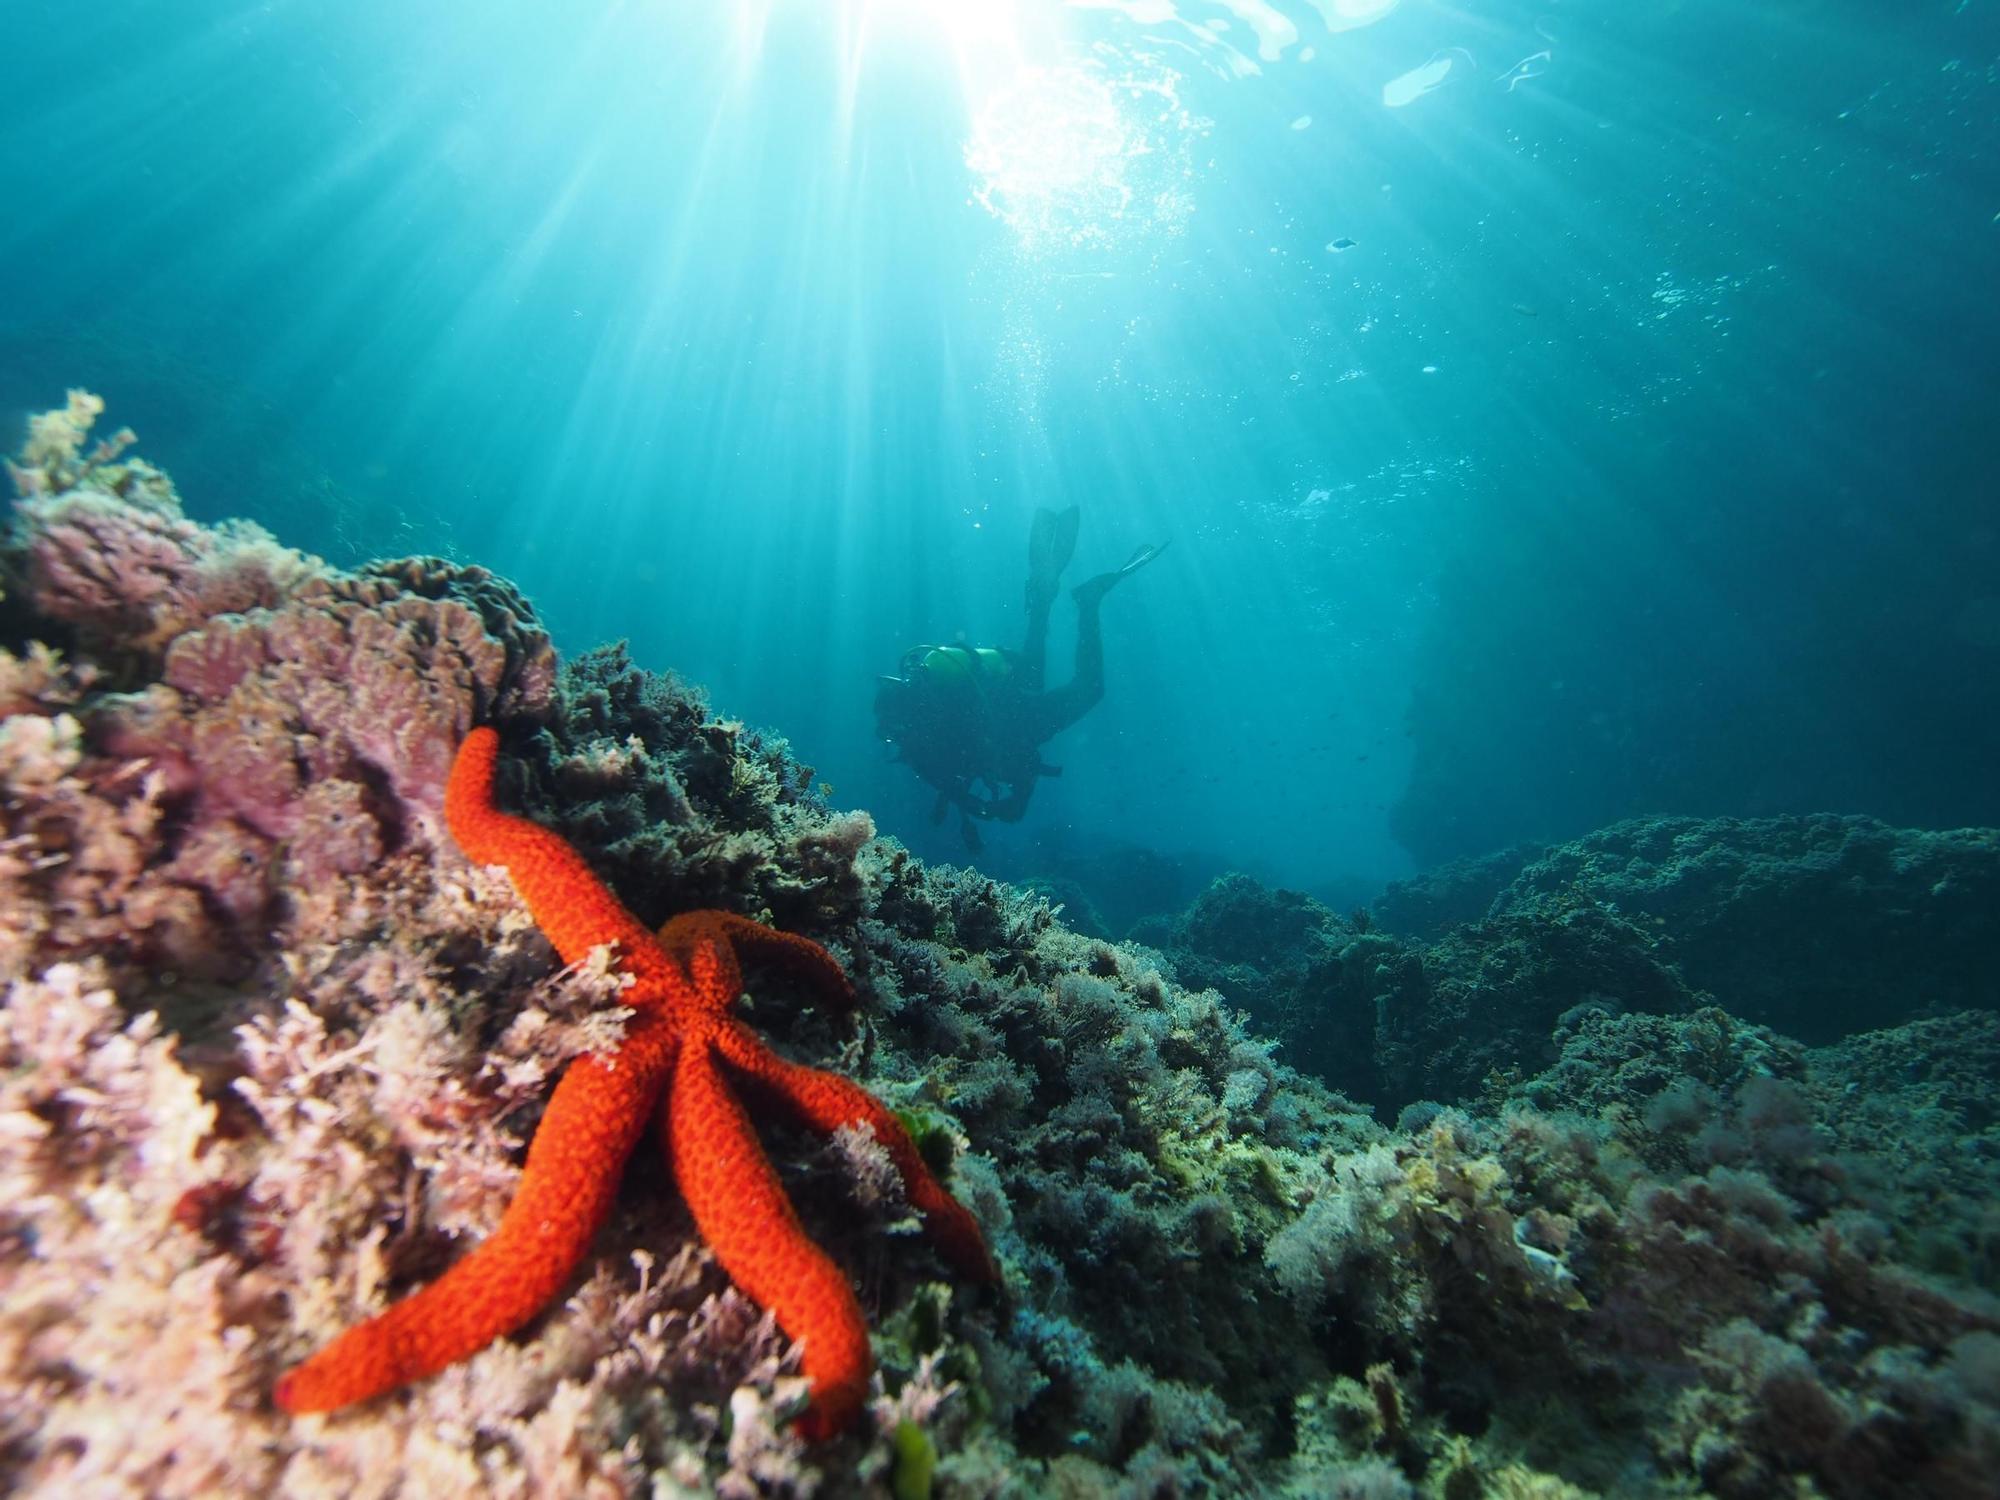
column 271, row 1049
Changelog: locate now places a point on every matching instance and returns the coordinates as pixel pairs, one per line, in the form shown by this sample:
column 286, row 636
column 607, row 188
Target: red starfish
column 683, row 984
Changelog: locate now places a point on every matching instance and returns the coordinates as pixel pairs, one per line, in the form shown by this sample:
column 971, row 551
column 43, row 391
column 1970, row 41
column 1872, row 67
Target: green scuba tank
column 955, row 668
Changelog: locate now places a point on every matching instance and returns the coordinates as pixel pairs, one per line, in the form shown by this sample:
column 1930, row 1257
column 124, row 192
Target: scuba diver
column 971, row 720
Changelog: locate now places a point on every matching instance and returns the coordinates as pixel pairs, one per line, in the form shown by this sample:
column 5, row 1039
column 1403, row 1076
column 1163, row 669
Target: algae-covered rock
column 271, row 1051
column 1819, row 926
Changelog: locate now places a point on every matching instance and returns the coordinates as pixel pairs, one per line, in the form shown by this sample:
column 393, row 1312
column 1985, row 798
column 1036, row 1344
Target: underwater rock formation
column 1390, row 1021
column 1427, row 906
column 271, row 1048
column 1292, row 965
column 227, row 716
column 1114, row 886
column 1820, row 926
column 1465, row 980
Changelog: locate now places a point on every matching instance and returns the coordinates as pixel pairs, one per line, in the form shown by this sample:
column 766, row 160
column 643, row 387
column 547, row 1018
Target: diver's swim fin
column 1091, row 590
column 1051, row 544
column 1143, row 555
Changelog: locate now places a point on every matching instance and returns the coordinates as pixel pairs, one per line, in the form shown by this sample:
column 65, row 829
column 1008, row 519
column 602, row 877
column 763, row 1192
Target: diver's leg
column 1051, row 544
column 1032, row 664
column 1061, row 707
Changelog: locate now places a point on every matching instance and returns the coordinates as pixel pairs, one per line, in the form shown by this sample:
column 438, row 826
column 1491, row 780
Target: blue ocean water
column 1557, row 411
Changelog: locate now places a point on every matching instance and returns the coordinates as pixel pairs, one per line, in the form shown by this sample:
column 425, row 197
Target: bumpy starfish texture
column 680, row 1064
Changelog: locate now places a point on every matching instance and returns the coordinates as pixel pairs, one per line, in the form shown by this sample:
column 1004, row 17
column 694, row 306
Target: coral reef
column 1427, row 906
column 271, row 1049
column 341, row 1046
column 1107, row 889
column 1391, row 1021
column 1290, row 963
column 229, row 720
column 1820, row 926
column 1489, row 1001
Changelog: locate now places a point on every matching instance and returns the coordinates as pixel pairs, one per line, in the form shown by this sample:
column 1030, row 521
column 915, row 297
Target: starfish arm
column 573, row 908
column 802, row 958
column 742, row 1211
column 826, row 1102
column 593, row 1120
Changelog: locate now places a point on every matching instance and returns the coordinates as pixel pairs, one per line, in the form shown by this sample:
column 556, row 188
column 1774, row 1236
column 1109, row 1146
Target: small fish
column 1343, row 243
column 1525, row 310
column 1525, row 69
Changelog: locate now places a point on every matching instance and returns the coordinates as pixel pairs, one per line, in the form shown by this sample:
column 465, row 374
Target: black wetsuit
column 977, row 735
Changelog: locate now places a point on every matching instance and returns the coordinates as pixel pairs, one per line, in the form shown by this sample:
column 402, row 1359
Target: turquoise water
column 1557, row 411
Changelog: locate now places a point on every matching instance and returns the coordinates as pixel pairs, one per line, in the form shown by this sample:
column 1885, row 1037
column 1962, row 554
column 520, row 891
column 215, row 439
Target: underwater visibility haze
column 1496, row 997
column 1562, row 412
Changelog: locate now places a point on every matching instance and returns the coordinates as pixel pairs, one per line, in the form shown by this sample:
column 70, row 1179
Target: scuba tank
column 940, row 692
column 954, row 669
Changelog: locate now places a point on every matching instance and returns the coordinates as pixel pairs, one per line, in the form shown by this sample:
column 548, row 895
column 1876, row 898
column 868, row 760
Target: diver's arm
column 1010, row 808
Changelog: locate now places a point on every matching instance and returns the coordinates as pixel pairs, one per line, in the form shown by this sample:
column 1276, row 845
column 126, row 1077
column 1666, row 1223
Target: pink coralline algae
column 287, row 718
